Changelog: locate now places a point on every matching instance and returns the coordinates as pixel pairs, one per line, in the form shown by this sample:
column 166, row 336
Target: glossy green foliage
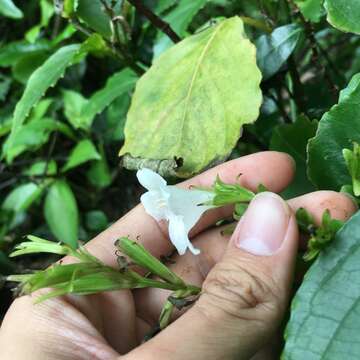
column 61, row 213
column 91, row 12
column 44, row 77
column 217, row 87
column 312, row 10
column 338, row 129
column 273, row 50
column 81, row 112
column 9, row 9
column 179, row 18
column 293, row 139
column 344, row 14
column 84, row 151
column 324, row 322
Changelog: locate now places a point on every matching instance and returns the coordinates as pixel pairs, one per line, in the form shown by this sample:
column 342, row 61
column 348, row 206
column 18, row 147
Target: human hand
column 246, row 282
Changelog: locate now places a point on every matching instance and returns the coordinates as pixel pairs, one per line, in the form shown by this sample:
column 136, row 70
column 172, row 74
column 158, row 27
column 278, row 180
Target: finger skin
column 341, row 207
column 241, row 306
column 272, row 169
column 100, row 316
column 193, row 269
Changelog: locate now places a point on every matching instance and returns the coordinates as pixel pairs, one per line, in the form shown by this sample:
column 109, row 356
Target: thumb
column 244, row 296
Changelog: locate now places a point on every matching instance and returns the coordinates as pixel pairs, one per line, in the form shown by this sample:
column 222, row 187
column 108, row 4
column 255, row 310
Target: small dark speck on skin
column 187, row 270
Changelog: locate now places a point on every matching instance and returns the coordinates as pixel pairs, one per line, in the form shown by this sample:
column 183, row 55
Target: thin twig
column 50, row 152
column 117, row 52
column 309, row 30
column 57, row 23
column 155, row 20
column 282, row 110
column 298, row 94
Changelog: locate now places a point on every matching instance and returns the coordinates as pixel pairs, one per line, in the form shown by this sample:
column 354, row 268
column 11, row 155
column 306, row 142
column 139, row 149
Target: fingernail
column 263, row 227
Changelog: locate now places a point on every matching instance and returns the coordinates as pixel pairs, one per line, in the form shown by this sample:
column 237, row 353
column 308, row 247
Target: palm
column 105, row 325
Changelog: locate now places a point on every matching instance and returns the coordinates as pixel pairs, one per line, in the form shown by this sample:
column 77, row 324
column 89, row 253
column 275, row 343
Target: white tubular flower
column 180, row 207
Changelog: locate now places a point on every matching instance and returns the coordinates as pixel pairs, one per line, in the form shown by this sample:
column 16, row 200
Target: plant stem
column 117, row 52
column 281, row 108
column 155, row 20
column 298, row 95
column 309, row 31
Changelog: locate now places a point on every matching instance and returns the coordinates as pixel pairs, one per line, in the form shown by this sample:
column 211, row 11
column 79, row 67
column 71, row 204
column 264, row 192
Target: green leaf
column 74, row 103
column 45, row 76
column 69, row 8
column 140, row 256
column 196, row 88
column 99, row 173
column 23, row 69
column 163, row 5
column 91, row 11
column 39, row 167
column 312, row 10
column 81, row 111
column 30, row 137
column 179, row 19
column 325, row 316
column 47, row 11
column 274, row 49
column 9, row 9
column 344, row 14
column 14, row 51
column 37, row 245
column 117, row 85
column 95, row 45
column 84, row 151
column 293, row 139
column 116, row 119
column 39, row 111
column 22, row 197
column 322, row 236
column 61, row 213
column 96, row 220
column 338, row 129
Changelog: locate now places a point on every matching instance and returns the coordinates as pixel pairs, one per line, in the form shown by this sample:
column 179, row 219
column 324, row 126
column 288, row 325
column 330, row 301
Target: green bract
column 225, row 194
column 195, row 99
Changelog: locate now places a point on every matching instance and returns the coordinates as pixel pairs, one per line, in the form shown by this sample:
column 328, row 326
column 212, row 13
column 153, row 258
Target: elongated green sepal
column 140, row 256
column 39, row 245
column 230, row 193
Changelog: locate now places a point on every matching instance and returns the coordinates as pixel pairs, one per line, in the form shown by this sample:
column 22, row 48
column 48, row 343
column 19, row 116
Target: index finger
column 272, row 169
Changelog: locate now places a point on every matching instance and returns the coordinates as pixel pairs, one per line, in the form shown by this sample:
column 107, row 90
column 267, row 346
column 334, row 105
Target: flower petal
column 179, row 236
column 150, row 201
column 150, row 179
column 186, row 203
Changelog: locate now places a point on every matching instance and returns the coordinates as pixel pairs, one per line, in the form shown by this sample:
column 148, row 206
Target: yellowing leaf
column 195, row 98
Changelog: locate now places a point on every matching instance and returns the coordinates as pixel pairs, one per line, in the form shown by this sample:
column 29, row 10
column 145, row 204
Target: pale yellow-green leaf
column 192, row 103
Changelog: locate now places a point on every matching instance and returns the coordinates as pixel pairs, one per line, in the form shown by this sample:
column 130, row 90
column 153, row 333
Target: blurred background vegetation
column 62, row 177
